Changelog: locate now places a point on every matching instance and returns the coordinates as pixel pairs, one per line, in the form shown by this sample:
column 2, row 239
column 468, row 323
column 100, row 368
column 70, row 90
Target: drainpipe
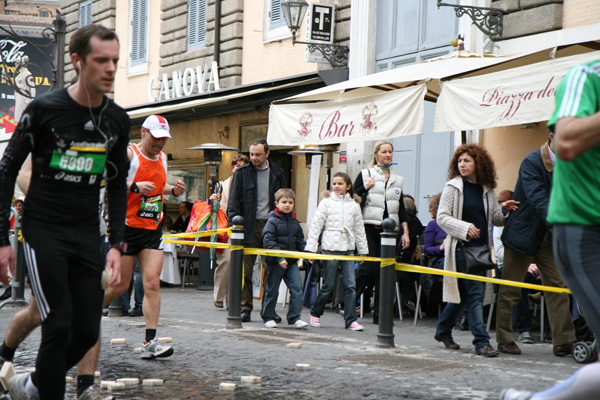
column 217, row 45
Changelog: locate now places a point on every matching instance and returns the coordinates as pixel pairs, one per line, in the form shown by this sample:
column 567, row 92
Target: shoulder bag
column 479, row 258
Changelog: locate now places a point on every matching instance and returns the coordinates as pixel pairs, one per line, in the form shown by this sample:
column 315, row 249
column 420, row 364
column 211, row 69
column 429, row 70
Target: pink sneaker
column 315, row 321
column 355, row 326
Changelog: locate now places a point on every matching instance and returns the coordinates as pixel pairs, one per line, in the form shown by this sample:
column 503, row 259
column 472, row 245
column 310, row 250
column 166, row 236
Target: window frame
column 277, row 32
column 138, row 34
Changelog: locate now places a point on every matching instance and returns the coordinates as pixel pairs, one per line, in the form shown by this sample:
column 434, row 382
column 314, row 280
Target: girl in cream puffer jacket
column 339, row 218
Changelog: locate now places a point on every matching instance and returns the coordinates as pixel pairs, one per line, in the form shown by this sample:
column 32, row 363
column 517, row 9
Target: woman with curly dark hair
column 468, row 208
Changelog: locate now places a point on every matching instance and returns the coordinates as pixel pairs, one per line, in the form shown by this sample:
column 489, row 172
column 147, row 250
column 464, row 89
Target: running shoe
column 16, row 387
column 271, row 324
column 299, row 324
column 315, row 321
column 355, row 326
column 155, row 348
column 93, row 393
column 514, row 394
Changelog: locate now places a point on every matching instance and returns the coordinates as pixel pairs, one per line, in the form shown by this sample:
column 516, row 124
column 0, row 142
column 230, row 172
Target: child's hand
column 362, row 255
column 283, row 264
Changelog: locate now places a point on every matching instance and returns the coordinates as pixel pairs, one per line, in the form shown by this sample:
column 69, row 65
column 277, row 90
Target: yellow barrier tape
column 198, row 244
column 435, row 271
column 384, row 262
column 192, row 235
column 307, row 256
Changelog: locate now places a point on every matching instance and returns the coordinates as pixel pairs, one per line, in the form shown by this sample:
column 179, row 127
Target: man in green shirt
column 574, row 213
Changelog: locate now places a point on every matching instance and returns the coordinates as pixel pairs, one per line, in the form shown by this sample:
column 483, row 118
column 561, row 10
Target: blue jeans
column 291, row 277
column 330, row 279
column 471, row 295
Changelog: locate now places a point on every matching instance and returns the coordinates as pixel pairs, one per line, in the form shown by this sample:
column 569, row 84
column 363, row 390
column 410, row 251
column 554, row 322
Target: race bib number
column 78, row 162
column 150, row 207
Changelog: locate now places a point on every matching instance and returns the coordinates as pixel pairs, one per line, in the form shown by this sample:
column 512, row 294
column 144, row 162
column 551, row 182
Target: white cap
column 158, row 126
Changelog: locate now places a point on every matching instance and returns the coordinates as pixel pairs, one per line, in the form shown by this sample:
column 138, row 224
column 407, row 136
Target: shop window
column 196, row 37
column 139, row 32
column 85, row 13
column 193, row 174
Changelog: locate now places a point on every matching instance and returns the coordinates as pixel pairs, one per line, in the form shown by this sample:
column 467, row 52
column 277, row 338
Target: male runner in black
column 75, row 136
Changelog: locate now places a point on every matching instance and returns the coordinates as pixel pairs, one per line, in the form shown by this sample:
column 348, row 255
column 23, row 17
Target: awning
column 357, row 119
column 391, row 101
column 225, row 101
column 434, row 75
column 516, row 96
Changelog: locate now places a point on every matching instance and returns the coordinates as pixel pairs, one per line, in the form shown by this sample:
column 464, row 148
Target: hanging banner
column 382, row 116
column 511, row 97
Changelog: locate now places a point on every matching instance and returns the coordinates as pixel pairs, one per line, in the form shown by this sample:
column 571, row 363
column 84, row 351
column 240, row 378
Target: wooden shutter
column 139, row 31
column 196, row 24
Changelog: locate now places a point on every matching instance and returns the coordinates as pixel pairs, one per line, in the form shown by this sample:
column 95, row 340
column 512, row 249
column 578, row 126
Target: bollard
column 115, row 308
column 236, row 275
column 387, row 279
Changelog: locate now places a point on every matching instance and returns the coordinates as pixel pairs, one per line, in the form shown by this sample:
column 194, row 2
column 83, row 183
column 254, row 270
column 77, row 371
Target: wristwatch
column 121, row 246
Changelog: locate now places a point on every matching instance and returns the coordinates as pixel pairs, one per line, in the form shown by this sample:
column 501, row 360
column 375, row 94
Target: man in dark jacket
column 253, row 197
column 528, row 238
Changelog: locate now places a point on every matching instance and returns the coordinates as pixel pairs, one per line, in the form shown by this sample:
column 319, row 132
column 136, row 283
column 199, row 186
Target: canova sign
column 184, row 83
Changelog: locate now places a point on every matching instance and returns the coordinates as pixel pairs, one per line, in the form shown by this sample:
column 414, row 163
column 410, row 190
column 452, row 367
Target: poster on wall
column 38, row 72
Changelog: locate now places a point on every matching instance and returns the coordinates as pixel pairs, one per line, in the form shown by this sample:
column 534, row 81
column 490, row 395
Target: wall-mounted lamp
column 293, row 12
column 213, row 155
column 224, row 133
column 488, row 20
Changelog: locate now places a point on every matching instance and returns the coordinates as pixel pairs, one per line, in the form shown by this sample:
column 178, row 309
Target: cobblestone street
column 343, row 364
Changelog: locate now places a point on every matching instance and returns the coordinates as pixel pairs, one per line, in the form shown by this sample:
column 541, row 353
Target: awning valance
column 512, row 97
column 396, row 113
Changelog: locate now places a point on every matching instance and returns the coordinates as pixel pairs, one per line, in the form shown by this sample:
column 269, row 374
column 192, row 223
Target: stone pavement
column 343, row 364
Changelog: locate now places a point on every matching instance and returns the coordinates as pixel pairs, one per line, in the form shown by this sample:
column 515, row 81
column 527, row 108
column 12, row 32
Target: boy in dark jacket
column 283, row 232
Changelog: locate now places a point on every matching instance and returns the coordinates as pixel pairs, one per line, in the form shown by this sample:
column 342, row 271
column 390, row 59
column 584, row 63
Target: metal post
column 60, row 31
column 115, row 308
column 387, row 279
column 18, row 282
column 236, row 275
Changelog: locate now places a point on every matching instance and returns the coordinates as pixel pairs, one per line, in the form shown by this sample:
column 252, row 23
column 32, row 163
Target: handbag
column 478, row 258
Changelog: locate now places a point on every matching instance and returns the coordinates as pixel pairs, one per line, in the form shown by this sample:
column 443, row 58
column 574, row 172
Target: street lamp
column 293, row 12
column 213, row 155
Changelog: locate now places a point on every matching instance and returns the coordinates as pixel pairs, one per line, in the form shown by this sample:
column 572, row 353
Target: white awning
column 396, row 113
column 511, row 97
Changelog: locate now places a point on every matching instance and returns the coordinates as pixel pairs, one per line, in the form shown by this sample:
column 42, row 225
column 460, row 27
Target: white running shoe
column 16, row 387
column 93, row 393
column 315, row 321
column 299, row 324
column 155, row 348
column 271, row 324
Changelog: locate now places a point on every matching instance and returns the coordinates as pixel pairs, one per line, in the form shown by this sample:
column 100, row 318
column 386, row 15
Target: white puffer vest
column 380, row 195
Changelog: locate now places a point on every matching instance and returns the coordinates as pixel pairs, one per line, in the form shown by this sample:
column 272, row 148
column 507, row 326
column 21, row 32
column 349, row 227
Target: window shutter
column 139, row 25
column 196, row 23
column 276, row 18
column 85, row 13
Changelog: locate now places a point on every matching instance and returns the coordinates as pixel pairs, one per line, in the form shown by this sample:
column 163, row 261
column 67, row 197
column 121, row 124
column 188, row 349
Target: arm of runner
column 7, row 259
column 143, row 187
column 113, row 264
column 576, row 135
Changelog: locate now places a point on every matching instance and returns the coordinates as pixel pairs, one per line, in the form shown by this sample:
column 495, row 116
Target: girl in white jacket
column 340, row 219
